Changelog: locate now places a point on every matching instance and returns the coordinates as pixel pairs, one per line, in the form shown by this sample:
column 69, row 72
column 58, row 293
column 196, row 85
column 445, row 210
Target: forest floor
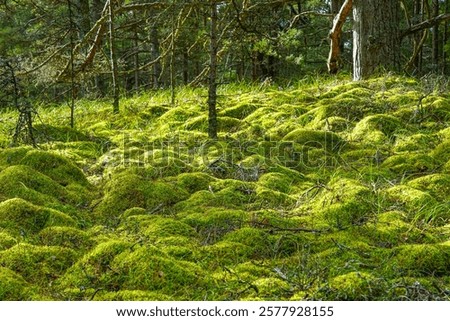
column 325, row 189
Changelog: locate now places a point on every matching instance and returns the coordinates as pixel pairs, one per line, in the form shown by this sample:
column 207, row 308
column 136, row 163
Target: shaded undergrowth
column 323, row 190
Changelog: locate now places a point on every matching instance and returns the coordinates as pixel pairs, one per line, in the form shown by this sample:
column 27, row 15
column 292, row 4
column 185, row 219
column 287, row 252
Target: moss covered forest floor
column 325, row 189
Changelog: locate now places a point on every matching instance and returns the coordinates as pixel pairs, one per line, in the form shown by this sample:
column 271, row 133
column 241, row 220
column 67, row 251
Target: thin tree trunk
column 136, row 58
column 72, row 71
column 335, row 36
column 154, row 52
column 435, row 40
column 172, row 60
column 113, row 57
column 212, row 90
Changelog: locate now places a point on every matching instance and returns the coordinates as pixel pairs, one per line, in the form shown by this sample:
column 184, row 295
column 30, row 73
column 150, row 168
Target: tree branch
column 335, row 36
column 425, row 24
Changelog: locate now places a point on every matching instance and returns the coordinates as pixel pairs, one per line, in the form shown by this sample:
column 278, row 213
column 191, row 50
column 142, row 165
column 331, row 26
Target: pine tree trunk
column 113, row 57
column 376, row 38
column 212, row 90
column 435, row 40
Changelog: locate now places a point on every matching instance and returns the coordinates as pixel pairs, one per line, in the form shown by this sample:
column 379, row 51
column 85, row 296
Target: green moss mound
column 376, row 128
column 438, row 185
column 65, row 236
column 165, row 227
column 38, row 264
column 23, row 218
column 194, row 182
column 54, row 166
column 13, row 287
column 93, row 270
column 147, row 268
column 352, row 286
column 6, row 241
column 343, row 203
column 29, row 184
column 423, row 259
column 316, row 138
column 127, row 190
column 132, row 295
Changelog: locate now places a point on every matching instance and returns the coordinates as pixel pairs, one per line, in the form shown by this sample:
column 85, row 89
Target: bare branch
column 425, row 24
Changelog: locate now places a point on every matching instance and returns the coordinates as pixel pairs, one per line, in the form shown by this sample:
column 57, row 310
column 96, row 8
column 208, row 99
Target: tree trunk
column 113, row 57
column 212, row 90
column 155, row 53
column 436, row 36
column 335, row 36
column 376, row 36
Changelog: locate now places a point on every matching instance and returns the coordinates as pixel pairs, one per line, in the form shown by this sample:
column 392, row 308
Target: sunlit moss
column 316, row 138
column 93, row 269
column 66, row 237
column 409, row 163
column 438, row 185
column 27, row 183
column 352, row 286
column 193, row 182
column 376, row 128
column 346, row 202
column 26, row 219
column 147, row 268
column 127, row 190
column 212, row 224
column 132, row 295
column 38, row 264
column 270, row 289
column 6, row 241
column 13, row 287
column 165, row 227
column 423, row 259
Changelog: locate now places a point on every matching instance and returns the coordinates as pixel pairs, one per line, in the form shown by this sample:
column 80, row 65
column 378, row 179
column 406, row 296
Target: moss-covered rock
column 358, row 286
column 165, row 227
column 125, row 191
column 66, row 237
column 438, row 185
column 423, row 259
column 409, row 163
column 29, row 184
column 54, row 166
column 38, row 265
column 6, row 241
column 13, row 287
column 376, row 128
column 132, row 295
column 93, row 270
column 316, row 138
column 148, row 268
column 23, row 218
